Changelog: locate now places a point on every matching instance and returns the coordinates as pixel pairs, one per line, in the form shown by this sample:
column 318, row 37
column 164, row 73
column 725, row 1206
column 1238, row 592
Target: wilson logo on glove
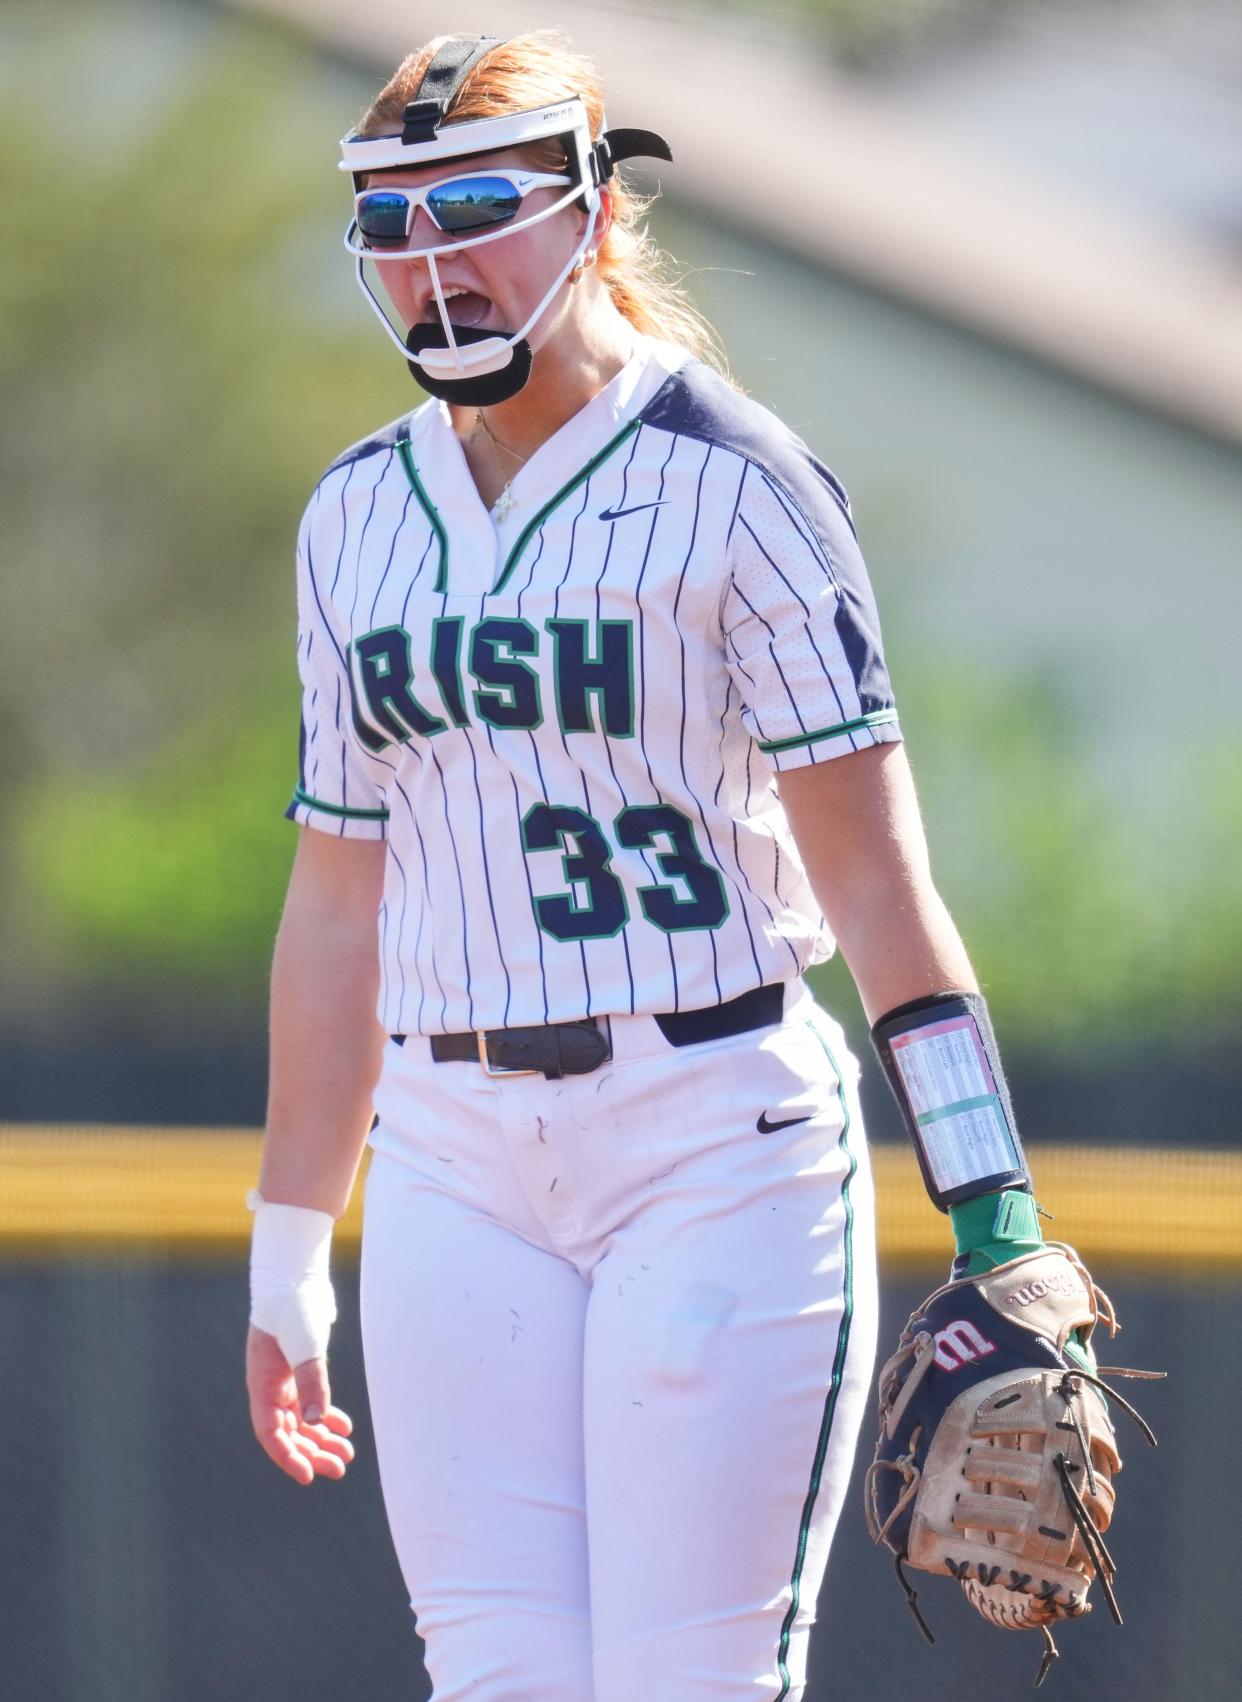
column 959, row 1343
column 1064, row 1283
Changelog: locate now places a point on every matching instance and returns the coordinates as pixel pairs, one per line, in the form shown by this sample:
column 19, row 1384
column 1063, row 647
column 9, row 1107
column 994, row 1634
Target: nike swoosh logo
column 766, row 1128
column 620, row 513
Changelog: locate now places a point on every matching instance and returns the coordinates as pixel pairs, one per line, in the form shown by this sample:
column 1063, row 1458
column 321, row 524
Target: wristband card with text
column 952, row 1095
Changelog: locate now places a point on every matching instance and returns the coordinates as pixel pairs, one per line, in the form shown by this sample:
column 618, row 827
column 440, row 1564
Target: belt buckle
column 490, row 1069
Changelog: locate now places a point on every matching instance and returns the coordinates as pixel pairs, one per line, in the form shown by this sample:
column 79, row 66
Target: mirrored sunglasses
column 473, row 202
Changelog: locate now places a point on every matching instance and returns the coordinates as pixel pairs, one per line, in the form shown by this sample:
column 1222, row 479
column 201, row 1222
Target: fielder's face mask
column 465, row 363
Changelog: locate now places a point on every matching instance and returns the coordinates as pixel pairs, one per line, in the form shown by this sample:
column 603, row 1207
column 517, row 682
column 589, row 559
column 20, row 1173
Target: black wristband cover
column 941, row 1060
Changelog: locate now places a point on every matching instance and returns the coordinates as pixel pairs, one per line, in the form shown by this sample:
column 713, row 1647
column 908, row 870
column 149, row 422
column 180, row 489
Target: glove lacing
column 894, row 1397
column 892, row 1407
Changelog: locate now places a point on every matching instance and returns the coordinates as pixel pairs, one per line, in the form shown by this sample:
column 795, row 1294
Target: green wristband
column 991, row 1229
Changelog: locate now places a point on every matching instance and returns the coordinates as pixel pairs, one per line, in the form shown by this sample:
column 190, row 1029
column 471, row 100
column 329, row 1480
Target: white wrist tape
column 290, row 1288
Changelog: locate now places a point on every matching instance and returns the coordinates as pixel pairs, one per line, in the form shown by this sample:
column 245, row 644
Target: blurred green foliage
column 1086, row 944
column 175, row 376
column 181, row 352
column 1090, row 920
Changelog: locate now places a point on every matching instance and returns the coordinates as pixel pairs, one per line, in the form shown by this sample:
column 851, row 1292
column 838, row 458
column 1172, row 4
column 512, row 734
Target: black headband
column 441, row 80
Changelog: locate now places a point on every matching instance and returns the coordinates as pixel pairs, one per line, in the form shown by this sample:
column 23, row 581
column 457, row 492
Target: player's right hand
column 291, row 1412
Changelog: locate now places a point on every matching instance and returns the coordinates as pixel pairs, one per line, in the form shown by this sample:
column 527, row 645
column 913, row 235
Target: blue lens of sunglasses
column 383, row 215
column 473, row 202
column 470, row 203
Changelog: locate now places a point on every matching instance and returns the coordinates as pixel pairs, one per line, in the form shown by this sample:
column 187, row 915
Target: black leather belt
column 576, row 1048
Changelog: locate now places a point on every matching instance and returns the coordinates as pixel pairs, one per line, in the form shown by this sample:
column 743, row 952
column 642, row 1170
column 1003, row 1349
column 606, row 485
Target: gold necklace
column 506, row 500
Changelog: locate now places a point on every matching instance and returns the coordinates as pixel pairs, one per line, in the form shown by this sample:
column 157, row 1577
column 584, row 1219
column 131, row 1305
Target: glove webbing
column 1102, row 1562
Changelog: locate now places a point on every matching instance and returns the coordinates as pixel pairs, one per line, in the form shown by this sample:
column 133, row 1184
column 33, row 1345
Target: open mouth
column 465, row 307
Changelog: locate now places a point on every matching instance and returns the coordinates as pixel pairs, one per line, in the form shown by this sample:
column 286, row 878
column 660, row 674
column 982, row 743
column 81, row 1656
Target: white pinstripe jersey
column 566, row 725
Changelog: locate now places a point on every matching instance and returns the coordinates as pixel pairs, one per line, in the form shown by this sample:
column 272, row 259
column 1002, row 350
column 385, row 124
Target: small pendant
column 504, row 502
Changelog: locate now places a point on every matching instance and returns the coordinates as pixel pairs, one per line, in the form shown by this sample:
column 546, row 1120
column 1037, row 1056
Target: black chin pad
column 479, row 390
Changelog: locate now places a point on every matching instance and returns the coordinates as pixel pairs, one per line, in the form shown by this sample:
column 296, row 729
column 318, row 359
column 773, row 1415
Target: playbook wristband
column 940, row 1057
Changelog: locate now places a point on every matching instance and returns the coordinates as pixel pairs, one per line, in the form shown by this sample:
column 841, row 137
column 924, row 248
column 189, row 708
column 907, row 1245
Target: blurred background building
column 986, row 256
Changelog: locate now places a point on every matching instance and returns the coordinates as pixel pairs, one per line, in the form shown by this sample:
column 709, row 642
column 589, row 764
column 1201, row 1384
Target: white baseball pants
column 619, row 1331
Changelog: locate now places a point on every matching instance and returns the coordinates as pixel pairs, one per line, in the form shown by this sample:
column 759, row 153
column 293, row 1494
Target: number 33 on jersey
column 578, row 712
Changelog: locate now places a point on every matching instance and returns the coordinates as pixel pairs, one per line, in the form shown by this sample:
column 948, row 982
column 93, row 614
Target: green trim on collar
column 429, row 509
column 580, row 477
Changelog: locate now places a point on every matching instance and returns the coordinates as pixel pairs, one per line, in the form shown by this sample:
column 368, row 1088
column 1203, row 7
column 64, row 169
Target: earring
column 576, row 275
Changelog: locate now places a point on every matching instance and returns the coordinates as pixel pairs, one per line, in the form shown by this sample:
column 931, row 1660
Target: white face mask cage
column 567, row 121
column 426, row 139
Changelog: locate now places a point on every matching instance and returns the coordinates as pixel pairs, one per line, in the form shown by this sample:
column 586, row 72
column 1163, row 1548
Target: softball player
column 599, row 754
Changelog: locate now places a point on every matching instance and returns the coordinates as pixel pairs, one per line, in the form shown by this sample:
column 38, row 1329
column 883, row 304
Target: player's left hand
column 282, row 1400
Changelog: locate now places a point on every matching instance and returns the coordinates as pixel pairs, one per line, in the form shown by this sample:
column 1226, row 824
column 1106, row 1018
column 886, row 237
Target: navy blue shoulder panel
column 385, row 438
column 697, row 402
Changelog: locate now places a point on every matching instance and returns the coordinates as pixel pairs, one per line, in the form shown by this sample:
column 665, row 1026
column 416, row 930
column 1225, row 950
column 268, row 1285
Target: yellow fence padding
column 98, row 1188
